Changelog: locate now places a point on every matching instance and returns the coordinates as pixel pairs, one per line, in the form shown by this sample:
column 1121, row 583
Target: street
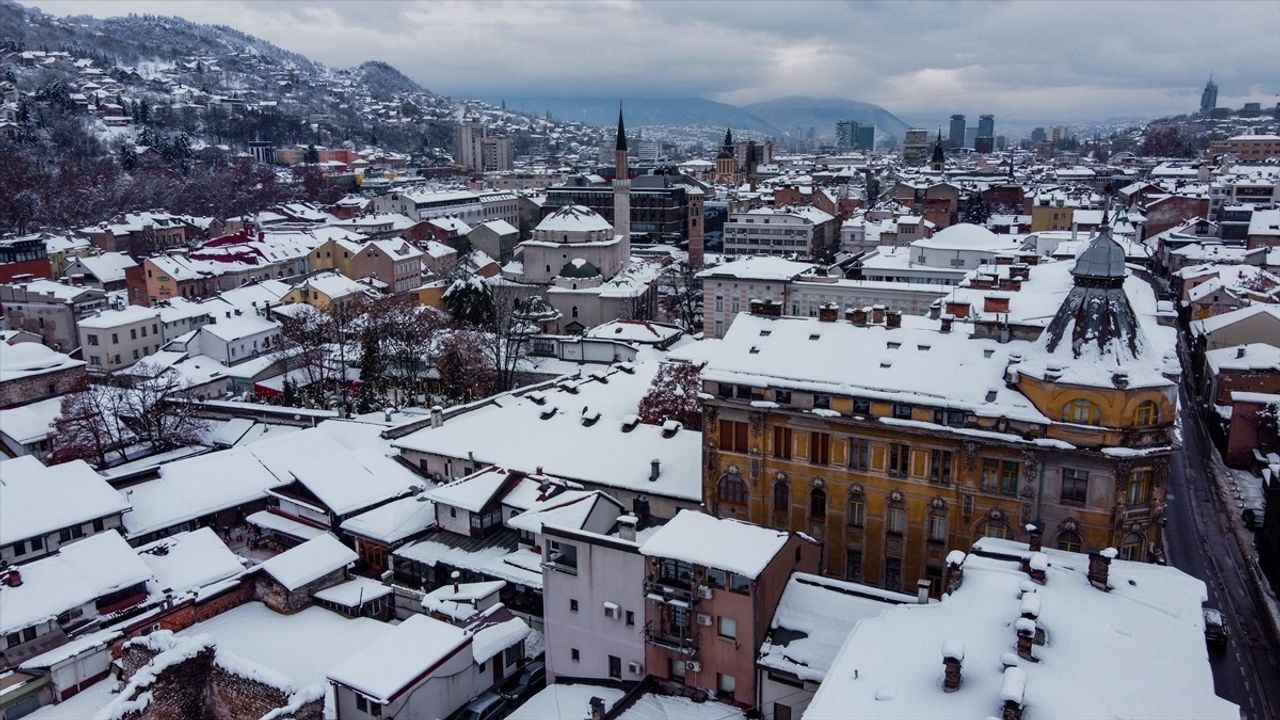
column 1200, row 542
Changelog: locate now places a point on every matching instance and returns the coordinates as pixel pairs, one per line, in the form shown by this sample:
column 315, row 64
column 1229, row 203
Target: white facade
column 112, row 340
column 603, row 578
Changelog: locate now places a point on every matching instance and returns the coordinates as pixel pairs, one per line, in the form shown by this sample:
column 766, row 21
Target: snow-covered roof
column 183, row 491
column 1211, row 324
column 35, row 499
column 761, row 267
column 394, row 521
column 107, row 267
column 77, row 574
column 1151, row 613
column 1254, row 356
column 500, row 227
column 29, row 359
column 30, row 423
column 574, row 218
column 349, row 481
column 544, row 428
column 309, row 561
column 814, row 616
column 635, row 331
column 564, row 701
column 964, row 236
column 354, row 592
column 388, row 665
column 461, row 603
column 108, row 319
column 189, row 560
column 238, row 327
column 724, row 543
column 873, row 362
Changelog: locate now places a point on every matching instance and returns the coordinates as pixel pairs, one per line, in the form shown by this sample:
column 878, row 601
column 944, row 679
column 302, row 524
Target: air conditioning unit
column 635, row 668
column 693, row 666
column 704, row 592
column 704, row 619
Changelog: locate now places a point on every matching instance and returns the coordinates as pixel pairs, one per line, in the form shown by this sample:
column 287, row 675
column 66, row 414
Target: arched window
column 1146, row 414
column 1070, row 541
column 732, row 490
column 1131, row 547
column 1081, row 412
column 818, row 505
column 575, row 311
column 993, row 529
column 781, row 496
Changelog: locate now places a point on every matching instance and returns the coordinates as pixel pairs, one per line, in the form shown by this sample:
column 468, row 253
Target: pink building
column 711, row 588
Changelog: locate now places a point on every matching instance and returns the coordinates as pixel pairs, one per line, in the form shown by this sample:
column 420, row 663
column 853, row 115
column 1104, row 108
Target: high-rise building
column 847, row 134
column 1039, row 135
column 956, row 135
column 495, row 154
column 866, row 137
column 984, row 141
column 970, row 134
column 1209, row 97
column 915, row 148
column 466, row 144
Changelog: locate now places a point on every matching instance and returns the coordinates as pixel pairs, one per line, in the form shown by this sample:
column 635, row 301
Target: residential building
column 112, row 340
column 397, row 264
column 878, row 458
column 105, row 270
column 711, row 588
column 799, row 231
column 425, row 204
column 50, row 309
column 496, row 238
column 593, row 602
column 661, row 206
column 31, row 372
column 73, row 502
column 1247, row 148
column 24, row 258
column 915, row 148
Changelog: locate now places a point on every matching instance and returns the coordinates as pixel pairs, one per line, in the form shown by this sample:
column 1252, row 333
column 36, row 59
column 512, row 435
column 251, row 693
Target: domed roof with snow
column 574, row 218
column 579, row 268
column 1096, row 318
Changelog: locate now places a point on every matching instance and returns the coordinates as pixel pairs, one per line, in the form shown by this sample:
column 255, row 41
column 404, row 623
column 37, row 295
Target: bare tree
column 159, row 410
column 680, row 295
column 88, row 426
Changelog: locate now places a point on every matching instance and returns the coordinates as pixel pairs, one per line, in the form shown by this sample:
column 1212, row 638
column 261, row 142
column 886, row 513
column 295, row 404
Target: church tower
column 621, row 183
column 939, row 160
column 726, row 162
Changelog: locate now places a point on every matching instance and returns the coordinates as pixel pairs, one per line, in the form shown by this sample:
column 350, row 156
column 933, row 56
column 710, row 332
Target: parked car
column 1215, row 627
column 533, row 677
column 488, row 706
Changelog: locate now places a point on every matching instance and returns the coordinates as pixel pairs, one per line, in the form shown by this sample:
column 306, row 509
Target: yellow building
column 336, row 254
column 897, row 439
column 1050, row 214
column 324, row 289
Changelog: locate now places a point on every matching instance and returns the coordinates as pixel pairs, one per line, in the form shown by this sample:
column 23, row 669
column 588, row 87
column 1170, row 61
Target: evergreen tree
column 470, row 301
column 976, row 211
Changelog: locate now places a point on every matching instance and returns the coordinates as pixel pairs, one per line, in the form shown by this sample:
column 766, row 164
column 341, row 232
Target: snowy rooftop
column 874, row 362
column 35, row 499
column 544, row 428
column 107, row 267
column 635, row 331
column 77, row 574
column 394, row 521
column 574, row 218
column 184, row 490
column 189, row 560
column 460, row 604
column 759, row 268
column 891, row 665
column 722, row 543
column 1254, row 356
column 309, row 561
column 814, row 616
column 1214, row 323
column 395, row 660
column 965, row 236
column 29, row 359
column 472, row 492
column 566, row 701
column 31, row 422
column 354, row 592
column 107, row 319
column 349, row 481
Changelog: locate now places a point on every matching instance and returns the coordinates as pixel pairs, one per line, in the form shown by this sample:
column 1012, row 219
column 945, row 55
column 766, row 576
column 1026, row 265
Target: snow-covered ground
column 81, row 706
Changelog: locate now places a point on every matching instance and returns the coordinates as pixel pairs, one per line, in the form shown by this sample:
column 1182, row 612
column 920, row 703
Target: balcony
column 669, row 639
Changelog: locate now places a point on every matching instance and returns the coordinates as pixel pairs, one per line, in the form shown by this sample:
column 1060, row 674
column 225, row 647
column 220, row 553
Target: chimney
column 14, row 578
column 922, row 591
column 935, row 309
column 1029, row 606
column 386, row 414
column 1033, row 529
column 1026, row 630
column 1120, row 379
column 953, row 575
column 877, row 314
column 952, row 658
column 1036, row 565
column 857, row 316
column 893, row 319
column 627, row 527
column 597, row 708
column 946, row 323
column 454, row 577
column 1100, row 567
column 1241, row 350
column 1012, row 691
column 655, row 468
column 828, row 313
column 640, row 508
column 437, row 416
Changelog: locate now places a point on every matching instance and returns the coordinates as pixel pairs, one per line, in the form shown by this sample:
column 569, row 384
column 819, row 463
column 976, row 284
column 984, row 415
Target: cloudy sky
column 1034, row 61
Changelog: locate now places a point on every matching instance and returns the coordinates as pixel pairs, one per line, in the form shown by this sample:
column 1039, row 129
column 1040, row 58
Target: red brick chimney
column 1013, row 690
column 893, row 319
column 952, row 659
column 1035, row 534
column 829, row 312
column 953, row 575
column 1026, row 630
column 857, row 316
column 877, row 314
column 1100, row 567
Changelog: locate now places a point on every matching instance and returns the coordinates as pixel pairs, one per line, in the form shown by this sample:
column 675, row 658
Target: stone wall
column 282, row 600
column 38, row 387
